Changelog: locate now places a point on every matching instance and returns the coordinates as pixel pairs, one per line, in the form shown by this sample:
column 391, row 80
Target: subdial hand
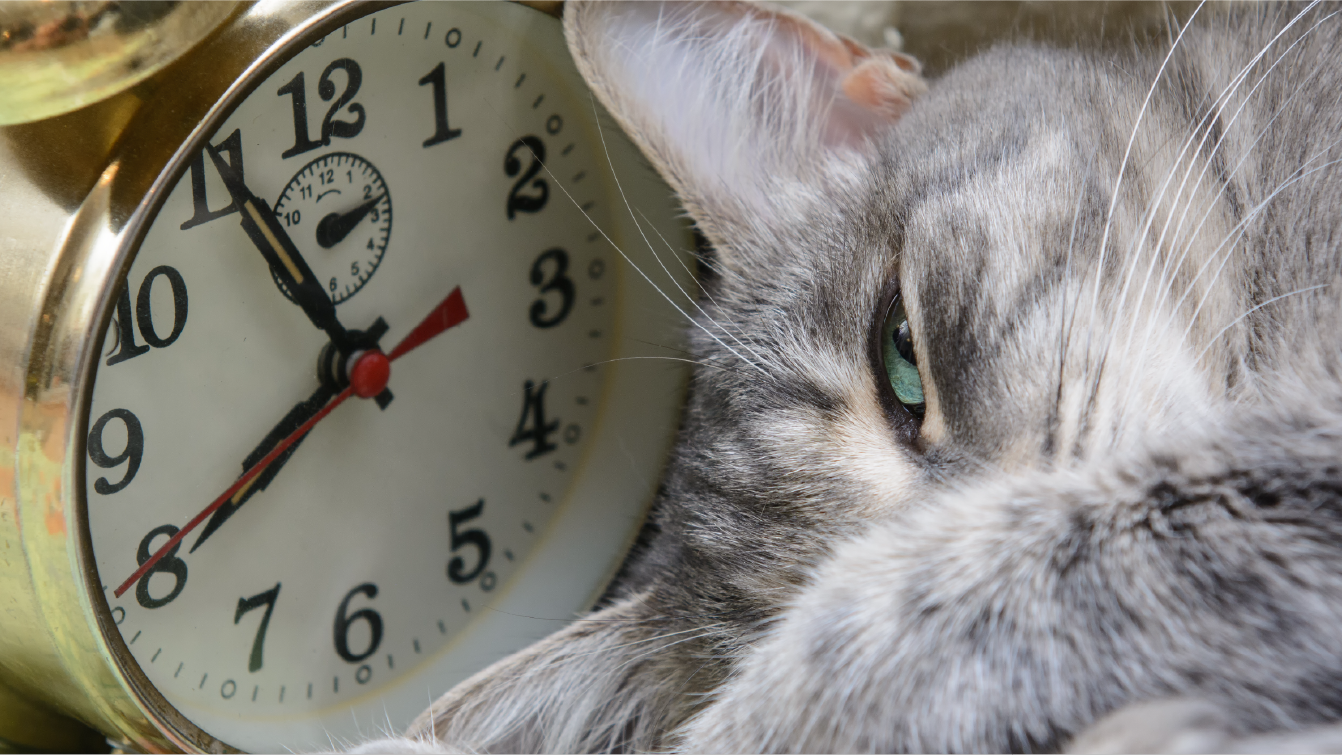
column 336, row 226
column 368, row 378
column 270, row 238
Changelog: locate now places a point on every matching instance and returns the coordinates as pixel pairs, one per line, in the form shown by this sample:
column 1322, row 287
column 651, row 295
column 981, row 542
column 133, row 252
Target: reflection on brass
column 59, row 55
column 25, row 727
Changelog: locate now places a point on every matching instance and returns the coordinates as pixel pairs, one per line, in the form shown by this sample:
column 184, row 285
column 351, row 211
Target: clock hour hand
column 302, row 412
column 336, row 226
column 450, row 312
column 274, row 243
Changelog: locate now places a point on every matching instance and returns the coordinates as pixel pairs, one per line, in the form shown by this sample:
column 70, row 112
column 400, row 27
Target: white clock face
column 343, row 586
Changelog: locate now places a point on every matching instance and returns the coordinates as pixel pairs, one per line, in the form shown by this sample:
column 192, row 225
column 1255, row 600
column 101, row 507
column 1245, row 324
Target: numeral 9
column 131, row 455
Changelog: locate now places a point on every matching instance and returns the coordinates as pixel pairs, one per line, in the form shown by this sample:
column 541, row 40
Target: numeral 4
column 532, row 427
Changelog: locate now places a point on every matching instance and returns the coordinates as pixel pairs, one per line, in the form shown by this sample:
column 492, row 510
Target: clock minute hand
column 302, row 412
column 450, row 312
column 274, row 243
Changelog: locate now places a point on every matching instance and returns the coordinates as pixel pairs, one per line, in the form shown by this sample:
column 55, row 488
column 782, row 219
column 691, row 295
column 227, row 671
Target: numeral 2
column 517, row 201
column 127, row 348
column 201, row 212
column 331, row 126
column 532, row 426
column 266, row 599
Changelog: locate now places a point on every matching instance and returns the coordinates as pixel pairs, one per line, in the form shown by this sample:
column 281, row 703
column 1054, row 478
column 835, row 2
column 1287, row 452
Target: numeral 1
column 442, row 132
column 298, row 91
column 532, row 427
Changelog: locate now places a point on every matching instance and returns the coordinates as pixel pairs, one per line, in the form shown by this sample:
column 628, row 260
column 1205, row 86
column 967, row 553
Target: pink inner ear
column 881, row 84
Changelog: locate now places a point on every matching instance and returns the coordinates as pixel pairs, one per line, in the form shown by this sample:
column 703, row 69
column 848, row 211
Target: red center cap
column 370, row 373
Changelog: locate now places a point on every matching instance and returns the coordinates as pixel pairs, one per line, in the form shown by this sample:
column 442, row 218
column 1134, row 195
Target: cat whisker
column 696, row 362
column 605, row 147
column 1127, row 153
column 693, row 300
column 1204, row 125
column 1212, row 205
column 1249, row 151
column 1251, row 215
column 1234, row 322
column 1239, row 230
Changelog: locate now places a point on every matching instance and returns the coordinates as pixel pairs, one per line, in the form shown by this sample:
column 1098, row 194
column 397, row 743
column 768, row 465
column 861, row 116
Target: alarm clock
column 331, row 371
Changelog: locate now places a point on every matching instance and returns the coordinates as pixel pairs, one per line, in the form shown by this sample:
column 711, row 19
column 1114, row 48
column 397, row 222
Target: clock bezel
column 106, row 686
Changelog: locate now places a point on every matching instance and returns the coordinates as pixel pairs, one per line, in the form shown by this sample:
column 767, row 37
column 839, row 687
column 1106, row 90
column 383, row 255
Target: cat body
column 1124, row 481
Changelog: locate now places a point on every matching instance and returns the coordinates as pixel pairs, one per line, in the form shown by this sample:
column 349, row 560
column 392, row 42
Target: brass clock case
column 73, row 192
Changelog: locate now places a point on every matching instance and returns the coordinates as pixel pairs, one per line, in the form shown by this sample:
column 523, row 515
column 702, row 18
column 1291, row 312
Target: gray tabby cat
column 1018, row 398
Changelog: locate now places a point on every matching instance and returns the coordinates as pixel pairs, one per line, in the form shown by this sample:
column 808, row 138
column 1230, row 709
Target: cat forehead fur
column 1122, row 279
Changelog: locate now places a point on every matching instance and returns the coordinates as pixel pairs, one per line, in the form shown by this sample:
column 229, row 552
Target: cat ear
column 737, row 105
column 595, row 686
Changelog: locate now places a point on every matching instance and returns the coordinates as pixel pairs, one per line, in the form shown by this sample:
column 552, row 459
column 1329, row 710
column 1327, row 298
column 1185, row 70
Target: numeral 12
column 331, row 126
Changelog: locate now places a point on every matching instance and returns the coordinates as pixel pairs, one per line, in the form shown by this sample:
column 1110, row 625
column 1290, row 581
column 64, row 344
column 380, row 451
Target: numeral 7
column 266, row 599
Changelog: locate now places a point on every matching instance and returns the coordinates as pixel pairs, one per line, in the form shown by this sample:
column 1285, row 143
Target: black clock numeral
column 559, row 282
column 532, row 427
column 518, row 202
column 266, row 599
column 473, row 537
column 170, row 564
column 298, row 91
column 326, row 89
column 343, row 622
column 201, row 212
column 441, row 131
column 131, row 455
column 127, row 348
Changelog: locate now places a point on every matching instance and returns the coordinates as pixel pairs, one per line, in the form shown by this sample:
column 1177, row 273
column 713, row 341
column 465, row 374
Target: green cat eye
column 901, row 365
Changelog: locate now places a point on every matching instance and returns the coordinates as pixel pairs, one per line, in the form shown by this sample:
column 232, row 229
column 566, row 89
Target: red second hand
column 449, row 312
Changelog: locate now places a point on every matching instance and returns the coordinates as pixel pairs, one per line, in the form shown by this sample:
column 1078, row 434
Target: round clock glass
column 353, row 429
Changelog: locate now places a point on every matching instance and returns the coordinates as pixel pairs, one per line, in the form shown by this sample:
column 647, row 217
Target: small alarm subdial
column 337, row 209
